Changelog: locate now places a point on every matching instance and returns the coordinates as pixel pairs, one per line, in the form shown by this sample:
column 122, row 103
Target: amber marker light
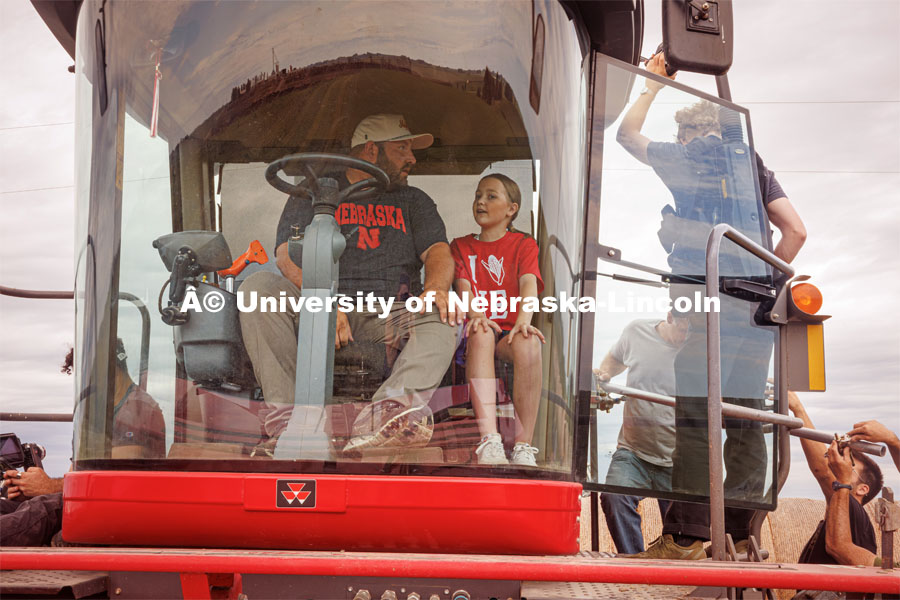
column 807, row 297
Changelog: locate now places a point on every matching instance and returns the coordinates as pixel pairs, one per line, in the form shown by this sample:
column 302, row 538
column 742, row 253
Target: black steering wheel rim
column 309, row 187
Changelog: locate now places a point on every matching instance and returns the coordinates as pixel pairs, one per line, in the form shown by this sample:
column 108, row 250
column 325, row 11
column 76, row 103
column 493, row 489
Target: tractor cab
column 198, row 122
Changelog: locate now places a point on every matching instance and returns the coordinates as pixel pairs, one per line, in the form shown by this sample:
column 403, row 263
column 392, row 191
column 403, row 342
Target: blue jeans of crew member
column 622, row 518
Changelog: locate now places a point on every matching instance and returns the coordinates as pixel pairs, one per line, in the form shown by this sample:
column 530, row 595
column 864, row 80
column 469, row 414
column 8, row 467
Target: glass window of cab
column 672, row 163
column 484, row 196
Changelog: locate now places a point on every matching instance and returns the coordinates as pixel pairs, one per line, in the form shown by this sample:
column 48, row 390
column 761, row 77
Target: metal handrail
column 69, row 295
column 714, row 372
column 144, row 366
column 37, row 417
column 794, row 425
column 36, row 294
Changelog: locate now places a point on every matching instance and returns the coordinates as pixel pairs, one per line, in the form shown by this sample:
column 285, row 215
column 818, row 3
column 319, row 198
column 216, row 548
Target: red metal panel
column 512, row 568
column 416, row 514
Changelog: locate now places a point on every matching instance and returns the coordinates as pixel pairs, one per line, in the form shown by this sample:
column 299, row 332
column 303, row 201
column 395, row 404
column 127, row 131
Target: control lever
column 254, row 254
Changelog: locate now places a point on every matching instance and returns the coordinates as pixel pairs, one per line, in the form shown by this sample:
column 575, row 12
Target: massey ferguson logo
column 295, row 493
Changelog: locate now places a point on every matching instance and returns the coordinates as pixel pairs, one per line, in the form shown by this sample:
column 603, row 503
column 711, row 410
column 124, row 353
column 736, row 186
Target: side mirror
column 698, row 35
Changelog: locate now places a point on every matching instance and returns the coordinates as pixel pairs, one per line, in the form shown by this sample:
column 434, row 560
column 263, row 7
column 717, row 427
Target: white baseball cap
column 388, row 128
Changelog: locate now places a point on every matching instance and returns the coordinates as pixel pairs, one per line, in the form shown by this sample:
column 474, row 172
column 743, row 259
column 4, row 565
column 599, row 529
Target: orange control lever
column 254, row 254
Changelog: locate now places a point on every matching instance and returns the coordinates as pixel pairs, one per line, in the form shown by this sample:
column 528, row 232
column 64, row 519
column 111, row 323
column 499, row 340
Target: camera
column 15, row 455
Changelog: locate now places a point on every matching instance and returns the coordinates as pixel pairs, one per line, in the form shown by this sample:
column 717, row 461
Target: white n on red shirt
column 494, row 268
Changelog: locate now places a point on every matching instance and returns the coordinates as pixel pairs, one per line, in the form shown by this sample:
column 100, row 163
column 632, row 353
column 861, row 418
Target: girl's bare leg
column 482, row 380
column 525, row 355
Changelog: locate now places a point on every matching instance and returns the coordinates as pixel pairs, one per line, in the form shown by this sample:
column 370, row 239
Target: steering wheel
column 314, row 162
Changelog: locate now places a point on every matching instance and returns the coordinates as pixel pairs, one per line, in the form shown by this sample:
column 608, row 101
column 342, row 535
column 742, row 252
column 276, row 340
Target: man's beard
column 395, row 174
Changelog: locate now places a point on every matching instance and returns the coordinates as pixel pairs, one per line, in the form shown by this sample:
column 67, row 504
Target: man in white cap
column 386, row 141
column 396, row 234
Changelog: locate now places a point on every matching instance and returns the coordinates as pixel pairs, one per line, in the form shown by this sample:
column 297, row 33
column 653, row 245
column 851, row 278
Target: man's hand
column 31, row 483
column 11, row 490
column 601, row 398
column 442, row 303
column 657, row 66
column 839, row 462
column 872, row 431
column 601, row 375
column 629, row 134
column 342, row 333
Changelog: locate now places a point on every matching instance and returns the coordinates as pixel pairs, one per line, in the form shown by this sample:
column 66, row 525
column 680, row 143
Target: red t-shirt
column 495, row 267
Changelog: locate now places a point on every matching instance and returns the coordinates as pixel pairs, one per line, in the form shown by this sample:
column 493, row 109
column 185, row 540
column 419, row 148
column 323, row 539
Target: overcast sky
column 823, row 90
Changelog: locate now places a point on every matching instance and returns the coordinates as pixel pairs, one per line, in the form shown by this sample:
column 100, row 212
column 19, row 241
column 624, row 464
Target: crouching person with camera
column 32, row 511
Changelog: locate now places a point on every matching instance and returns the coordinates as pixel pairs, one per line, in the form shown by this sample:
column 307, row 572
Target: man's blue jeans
column 621, row 514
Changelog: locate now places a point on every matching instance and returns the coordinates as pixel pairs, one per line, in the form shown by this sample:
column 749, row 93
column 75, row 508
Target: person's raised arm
column 793, row 233
column 873, row 431
column 838, row 539
column 291, row 272
column 814, row 451
column 439, row 269
column 629, row 134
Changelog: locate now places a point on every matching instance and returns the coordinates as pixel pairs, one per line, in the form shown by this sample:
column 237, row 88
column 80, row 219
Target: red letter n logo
column 368, row 238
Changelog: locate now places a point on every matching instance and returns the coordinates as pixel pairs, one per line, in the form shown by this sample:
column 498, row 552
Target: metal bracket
column 614, row 255
column 610, row 253
column 753, row 552
column 703, row 16
column 749, row 290
column 730, row 551
column 601, row 400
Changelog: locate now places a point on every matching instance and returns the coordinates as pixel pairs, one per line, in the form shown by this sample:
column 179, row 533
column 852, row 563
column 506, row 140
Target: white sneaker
column 490, row 451
column 523, row 454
